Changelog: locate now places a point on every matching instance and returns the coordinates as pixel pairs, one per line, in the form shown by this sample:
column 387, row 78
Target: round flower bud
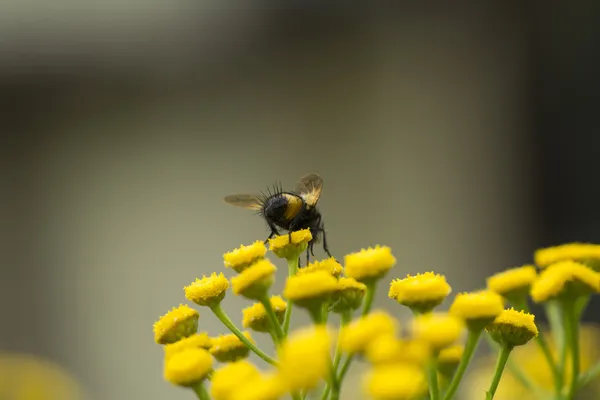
column 255, row 317
column 477, row 309
column 281, row 246
column 513, row 328
column 348, row 296
column 438, row 330
column 254, row 282
column 228, row 348
column 585, row 253
column 196, row 341
column 369, row 264
column 188, row 367
column 513, row 284
column 175, row 325
column 448, row 359
column 356, row 336
column 310, row 291
column 227, row 379
column 395, row 382
column 565, row 279
column 244, row 256
column 329, row 265
column 208, row 291
column 422, row 292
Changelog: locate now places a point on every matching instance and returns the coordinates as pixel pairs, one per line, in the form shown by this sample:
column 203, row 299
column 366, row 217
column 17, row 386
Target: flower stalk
column 472, row 341
column 503, row 355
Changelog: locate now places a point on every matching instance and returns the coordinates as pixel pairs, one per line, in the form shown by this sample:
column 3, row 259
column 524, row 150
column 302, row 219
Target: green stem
column 292, row 269
column 278, row 334
column 500, row 364
column 470, row 346
column 219, row 313
column 554, row 314
column 543, row 344
column 200, row 391
column 572, row 330
column 367, row 303
column 589, row 375
column 346, row 317
column 432, row 379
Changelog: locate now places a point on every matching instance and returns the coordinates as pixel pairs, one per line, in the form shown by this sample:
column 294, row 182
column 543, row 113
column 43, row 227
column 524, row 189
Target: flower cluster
column 410, row 360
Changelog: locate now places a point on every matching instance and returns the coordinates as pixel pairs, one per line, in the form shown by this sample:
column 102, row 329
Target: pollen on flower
column 349, row 295
column 438, row 330
column 395, row 382
column 208, row 291
column 356, row 336
column 254, row 281
column 581, row 252
column 196, row 341
column 305, row 358
column 281, row 246
column 368, row 264
column 329, row 265
column 188, row 367
column 228, row 348
column 242, row 257
column 175, row 325
column 565, row 278
column 227, row 379
column 513, row 281
column 481, row 306
column 318, row 286
column 421, row 292
column 255, row 317
column 513, row 327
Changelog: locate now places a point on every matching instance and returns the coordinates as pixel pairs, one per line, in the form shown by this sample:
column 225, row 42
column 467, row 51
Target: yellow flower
column 356, row 336
column 254, row 281
column 439, row 330
column 267, row 386
column 386, row 349
column 281, row 246
column 305, row 359
column 227, row 348
column 226, row 380
column 255, row 317
column 188, row 367
column 329, row 265
column 242, row 257
column 449, row 358
column 369, row 264
column 477, row 309
column 196, row 341
column 581, row 252
column 208, row 291
column 565, row 278
column 310, row 290
column 513, row 328
column 513, row 283
column 421, row 292
column 348, row 296
column 395, row 382
column 175, row 325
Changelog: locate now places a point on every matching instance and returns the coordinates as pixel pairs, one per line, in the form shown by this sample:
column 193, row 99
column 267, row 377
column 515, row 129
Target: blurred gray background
column 126, row 123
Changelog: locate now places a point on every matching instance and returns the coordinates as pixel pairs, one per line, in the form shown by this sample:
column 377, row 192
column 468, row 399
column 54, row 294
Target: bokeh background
column 464, row 136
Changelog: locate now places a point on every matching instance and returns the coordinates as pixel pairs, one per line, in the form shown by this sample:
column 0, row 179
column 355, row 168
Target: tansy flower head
column 254, row 281
column 175, row 325
column 310, row 290
column 438, row 330
column 196, row 341
column 348, row 296
column 305, row 359
column 421, row 292
column 388, row 349
column 355, row 336
column 267, row 386
column 585, row 253
column 281, row 246
column 369, row 264
column 188, row 367
column 255, row 317
column 226, row 380
column 565, row 279
column 449, row 358
column 514, row 283
column 208, row 291
column 329, row 265
column 242, row 257
column 513, row 328
column 395, row 382
column 227, row 348
column 477, row 309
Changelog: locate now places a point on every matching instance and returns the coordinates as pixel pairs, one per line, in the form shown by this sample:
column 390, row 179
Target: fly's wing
column 247, row 201
column 309, row 187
